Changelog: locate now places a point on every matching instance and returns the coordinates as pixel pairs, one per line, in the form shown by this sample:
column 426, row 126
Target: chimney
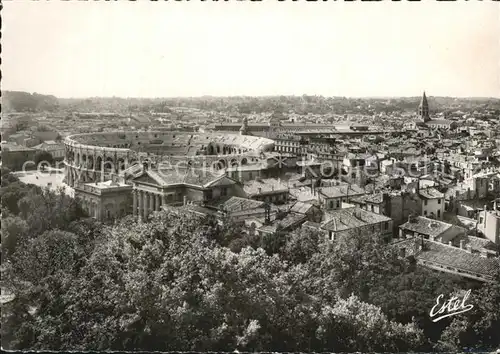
column 484, row 253
column 184, row 200
column 469, row 248
column 462, row 244
column 450, row 243
column 259, row 190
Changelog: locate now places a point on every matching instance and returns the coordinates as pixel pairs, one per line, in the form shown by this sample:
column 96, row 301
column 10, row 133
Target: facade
column 155, row 189
column 16, row 157
column 105, row 201
column 489, row 224
column 332, row 197
column 432, row 203
column 54, row 148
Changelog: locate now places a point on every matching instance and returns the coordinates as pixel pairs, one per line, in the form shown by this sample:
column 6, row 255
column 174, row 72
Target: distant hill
column 25, row 102
column 19, row 101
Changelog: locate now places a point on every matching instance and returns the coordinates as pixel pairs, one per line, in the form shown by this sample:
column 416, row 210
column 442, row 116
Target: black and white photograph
column 250, row 176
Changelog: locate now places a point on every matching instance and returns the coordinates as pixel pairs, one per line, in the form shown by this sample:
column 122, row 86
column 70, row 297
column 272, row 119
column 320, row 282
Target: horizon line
column 255, row 96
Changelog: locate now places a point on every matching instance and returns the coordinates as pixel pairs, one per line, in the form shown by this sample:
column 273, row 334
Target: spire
column 423, row 109
column 423, row 102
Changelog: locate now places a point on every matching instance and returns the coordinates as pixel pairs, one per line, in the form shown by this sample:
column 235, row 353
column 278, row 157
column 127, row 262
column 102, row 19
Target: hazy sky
column 159, row 49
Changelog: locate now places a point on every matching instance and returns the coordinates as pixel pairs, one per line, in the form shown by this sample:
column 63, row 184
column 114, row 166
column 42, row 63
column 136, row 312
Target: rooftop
column 263, row 186
column 431, row 193
column 374, row 198
column 235, row 204
column 350, row 218
column 456, row 257
column 426, row 226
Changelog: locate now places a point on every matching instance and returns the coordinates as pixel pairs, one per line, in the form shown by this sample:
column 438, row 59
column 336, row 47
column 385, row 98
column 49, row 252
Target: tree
column 168, row 285
column 14, row 230
column 478, row 328
column 43, row 156
column 301, row 245
column 365, row 329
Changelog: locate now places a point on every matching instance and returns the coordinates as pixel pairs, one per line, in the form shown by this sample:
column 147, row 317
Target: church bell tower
column 423, row 109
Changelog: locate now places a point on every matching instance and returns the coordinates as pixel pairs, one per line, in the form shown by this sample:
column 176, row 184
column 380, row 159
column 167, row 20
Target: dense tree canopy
column 182, row 282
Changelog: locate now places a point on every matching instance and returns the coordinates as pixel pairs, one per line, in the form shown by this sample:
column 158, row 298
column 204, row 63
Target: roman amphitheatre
column 95, row 157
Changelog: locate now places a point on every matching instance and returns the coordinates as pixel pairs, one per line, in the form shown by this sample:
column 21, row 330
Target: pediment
column 145, row 178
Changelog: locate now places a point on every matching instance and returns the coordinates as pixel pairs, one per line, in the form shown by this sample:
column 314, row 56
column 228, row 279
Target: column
column 140, row 196
column 151, row 202
column 134, row 197
column 157, row 202
column 163, row 199
column 146, row 204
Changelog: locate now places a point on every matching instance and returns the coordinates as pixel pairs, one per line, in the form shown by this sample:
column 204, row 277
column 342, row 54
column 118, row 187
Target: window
column 371, row 206
column 439, row 213
column 223, row 192
column 425, row 212
column 439, row 201
column 386, row 225
column 331, row 204
column 338, row 203
column 425, row 202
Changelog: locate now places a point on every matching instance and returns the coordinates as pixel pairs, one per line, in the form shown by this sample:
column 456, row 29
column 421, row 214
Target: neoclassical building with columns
column 154, row 189
column 118, row 173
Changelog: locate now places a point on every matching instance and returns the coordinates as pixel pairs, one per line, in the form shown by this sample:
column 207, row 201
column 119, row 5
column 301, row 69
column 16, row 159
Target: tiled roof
column 341, row 190
column 459, row 258
column 312, row 225
column 478, row 243
column 374, row 198
column 263, row 186
column 346, row 219
column 288, row 221
column 426, row 226
column 235, row 204
column 301, row 208
column 431, row 193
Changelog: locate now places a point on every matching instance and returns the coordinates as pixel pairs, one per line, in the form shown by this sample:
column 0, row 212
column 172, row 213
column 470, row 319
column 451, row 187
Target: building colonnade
column 145, row 202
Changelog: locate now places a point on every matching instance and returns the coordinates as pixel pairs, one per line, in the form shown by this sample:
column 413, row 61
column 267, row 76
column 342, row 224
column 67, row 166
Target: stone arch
column 244, row 161
column 211, row 149
column 233, row 163
column 108, row 164
column 90, row 162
